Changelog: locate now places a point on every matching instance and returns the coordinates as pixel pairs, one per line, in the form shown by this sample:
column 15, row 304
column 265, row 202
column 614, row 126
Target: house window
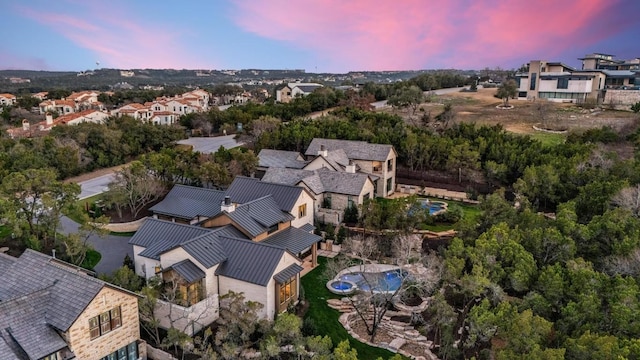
column 389, row 185
column 105, row 322
column 563, row 83
column 326, row 201
column 53, row 356
column 302, row 210
column 191, row 293
column 349, row 201
column 532, row 84
column 288, row 293
column 128, row 352
column 390, row 165
column 366, row 197
column 272, row 229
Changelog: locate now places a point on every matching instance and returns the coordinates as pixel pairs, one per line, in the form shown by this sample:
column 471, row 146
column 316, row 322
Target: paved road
column 95, row 186
column 209, row 145
column 113, row 248
column 383, row 103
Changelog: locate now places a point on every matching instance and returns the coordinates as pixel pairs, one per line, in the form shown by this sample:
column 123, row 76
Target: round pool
column 341, row 287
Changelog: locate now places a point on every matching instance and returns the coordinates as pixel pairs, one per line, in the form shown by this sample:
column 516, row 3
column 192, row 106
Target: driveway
column 95, row 186
column 113, row 248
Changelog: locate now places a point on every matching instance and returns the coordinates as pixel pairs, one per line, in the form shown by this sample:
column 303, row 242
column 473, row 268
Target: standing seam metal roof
column 249, row 261
column 188, row 270
column 286, row 274
column 259, row 215
column 293, row 239
column 187, row 202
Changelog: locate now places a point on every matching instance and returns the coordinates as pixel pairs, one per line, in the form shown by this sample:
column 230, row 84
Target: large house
column 51, row 310
column 600, row 79
column 7, row 99
column 250, row 248
column 376, row 160
column 43, row 127
column 293, row 90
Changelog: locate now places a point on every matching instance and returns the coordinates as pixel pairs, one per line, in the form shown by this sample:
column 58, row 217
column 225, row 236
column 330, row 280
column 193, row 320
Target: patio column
column 314, row 255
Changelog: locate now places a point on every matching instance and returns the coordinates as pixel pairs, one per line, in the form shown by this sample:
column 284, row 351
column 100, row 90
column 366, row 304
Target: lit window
column 302, row 210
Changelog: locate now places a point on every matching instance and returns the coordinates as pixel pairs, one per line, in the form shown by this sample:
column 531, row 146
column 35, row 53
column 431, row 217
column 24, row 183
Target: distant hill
column 17, row 81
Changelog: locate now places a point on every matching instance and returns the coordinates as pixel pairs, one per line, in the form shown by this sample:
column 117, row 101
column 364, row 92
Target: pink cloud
column 413, row 34
column 117, row 37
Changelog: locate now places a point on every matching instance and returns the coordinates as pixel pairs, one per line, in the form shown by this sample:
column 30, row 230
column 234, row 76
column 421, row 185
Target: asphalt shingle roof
column 187, row 202
column 360, row 150
column 319, row 181
column 188, row 270
column 259, row 215
column 293, row 239
column 244, row 189
column 39, row 295
column 281, row 158
column 249, row 261
column 285, row 176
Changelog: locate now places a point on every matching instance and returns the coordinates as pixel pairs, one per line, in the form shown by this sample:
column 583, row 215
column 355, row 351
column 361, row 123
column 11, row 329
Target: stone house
column 53, row 310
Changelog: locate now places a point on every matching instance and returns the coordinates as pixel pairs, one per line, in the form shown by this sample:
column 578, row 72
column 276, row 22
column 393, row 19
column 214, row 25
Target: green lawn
column 4, row 232
column 471, row 211
column 326, row 318
column 548, row 139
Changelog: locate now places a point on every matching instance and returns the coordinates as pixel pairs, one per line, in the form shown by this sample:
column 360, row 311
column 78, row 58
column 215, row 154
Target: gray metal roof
column 249, row 261
column 281, row 158
column 359, row 150
column 307, row 227
column 166, row 233
column 188, row 270
column 286, row 274
column 308, row 88
column 285, row 176
column 187, row 202
column 208, row 249
column 244, row 189
column 619, row 73
column 293, row 239
column 257, row 216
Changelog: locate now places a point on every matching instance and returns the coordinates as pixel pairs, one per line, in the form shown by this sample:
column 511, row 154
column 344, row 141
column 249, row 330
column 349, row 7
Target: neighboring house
column 135, row 110
column 41, row 95
column 7, row 99
column 268, row 158
column 601, row 79
column 28, row 130
column 62, row 107
column 163, row 118
column 53, row 310
column 376, row 160
column 334, row 191
column 292, row 90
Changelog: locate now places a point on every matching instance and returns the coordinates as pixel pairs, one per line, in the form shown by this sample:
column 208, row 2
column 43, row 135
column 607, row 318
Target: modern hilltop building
column 601, row 79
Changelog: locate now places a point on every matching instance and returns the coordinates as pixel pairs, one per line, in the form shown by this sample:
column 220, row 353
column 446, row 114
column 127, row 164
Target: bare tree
column 542, row 108
column 629, row 198
column 136, row 186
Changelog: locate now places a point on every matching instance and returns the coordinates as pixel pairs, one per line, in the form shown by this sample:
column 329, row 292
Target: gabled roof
column 286, row 176
column 257, row 216
column 24, row 328
column 293, row 239
column 281, row 158
column 187, row 202
column 286, row 274
column 208, row 249
column 249, row 261
column 170, row 234
column 359, row 150
column 39, row 295
column 188, row 270
column 245, row 189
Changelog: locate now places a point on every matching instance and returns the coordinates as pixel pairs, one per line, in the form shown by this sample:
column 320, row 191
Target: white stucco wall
column 305, row 198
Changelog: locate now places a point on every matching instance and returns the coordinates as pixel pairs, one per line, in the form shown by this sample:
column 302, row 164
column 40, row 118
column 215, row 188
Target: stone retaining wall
column 126, row 227
column 621, row 99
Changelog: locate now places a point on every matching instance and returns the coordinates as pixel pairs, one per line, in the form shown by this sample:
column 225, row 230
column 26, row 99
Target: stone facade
column 621, row 99
column 78, row 336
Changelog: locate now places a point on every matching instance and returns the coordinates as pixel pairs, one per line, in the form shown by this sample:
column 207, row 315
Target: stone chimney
column 49, row 119
column 227, row 205
column 323, row 151
column 25, row 125
column 351, row 168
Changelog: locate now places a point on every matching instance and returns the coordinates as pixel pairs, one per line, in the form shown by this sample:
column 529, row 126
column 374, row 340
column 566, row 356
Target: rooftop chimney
column 227, row 205
column 49, row 119
column 323, row 151
column 351, row 168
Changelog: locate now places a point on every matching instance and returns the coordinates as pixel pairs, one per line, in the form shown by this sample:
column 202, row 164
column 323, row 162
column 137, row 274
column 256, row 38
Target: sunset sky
column 315, row 35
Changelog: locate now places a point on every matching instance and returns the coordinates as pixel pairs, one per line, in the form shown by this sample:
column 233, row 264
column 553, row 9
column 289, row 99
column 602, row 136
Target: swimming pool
column 375, row 278
column 435, row 207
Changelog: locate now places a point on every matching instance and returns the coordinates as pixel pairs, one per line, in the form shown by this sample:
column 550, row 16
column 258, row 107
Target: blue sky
column 315, row 35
